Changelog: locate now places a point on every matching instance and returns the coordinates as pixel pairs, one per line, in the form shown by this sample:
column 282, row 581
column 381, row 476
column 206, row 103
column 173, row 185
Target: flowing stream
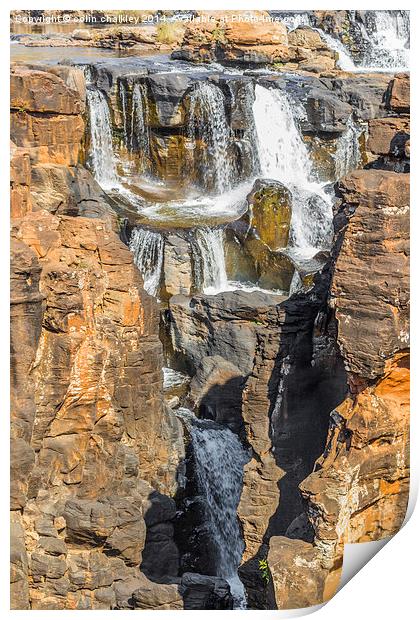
column 219, row 459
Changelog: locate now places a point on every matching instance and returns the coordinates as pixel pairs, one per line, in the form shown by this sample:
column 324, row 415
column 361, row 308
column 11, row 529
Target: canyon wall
column 94, row 449
column 314, row 383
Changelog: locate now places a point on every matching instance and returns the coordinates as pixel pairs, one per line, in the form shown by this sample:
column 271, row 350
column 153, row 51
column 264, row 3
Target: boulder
column 205, row 592
column 399, row 93
column 269, row 213
column 149, row 595
column 389, row 136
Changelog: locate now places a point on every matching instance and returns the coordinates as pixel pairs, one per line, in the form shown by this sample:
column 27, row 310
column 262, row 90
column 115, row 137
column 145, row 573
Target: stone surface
column 389, row 138
column 399, row 93
column 269, row 213
column 90, row 432
column 205, row 592
column 370, row 281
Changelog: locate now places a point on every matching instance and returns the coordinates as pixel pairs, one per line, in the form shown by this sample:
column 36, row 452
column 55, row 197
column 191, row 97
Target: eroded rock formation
column 312, row 377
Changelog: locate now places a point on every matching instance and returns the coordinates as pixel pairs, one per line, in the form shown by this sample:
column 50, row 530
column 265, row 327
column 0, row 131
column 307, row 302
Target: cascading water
column 101, row 152
column 209, row 260
column 139, row 129
column 147, row 247
column 386, row 35
column 284, row 157
column 207, row 121
column 345, row 61
column 347, row 154
column 123, row 99
column 219, row 459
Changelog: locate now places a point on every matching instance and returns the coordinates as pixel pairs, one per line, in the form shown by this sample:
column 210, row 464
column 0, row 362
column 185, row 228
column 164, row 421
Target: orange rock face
column 86, row 382
column 20, row 179
column 46, row 116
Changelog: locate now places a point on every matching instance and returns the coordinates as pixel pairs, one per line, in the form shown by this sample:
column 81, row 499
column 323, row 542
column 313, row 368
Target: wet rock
column 364, row 93
column 224, row 324
column 205, row 592
column 269, row 213
column 166, row 93
column 160, row 559
column 326, row 112
column 178, row 277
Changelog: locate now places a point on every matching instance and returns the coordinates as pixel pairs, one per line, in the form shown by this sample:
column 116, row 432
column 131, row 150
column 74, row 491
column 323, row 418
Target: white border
column 387, row 586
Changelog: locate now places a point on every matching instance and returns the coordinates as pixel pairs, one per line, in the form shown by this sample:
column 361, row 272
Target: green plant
column 264, row 571
column 170, row 32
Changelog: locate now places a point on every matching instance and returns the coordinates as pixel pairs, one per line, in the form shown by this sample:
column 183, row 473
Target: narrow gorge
column 209, row 307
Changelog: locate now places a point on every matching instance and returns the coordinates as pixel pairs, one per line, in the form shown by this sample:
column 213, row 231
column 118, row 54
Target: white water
column 101, row 152
column 123, row 100
column 219, row 462
column 347, row 155
column 345, row 61
column 284, row 157
column 209, row 259
column 147, row 247
column 207, row 120
column 139, row 129
column 387, row 41
column 173, row 378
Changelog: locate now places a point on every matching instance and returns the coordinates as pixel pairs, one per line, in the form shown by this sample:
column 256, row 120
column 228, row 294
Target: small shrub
column 264, row 571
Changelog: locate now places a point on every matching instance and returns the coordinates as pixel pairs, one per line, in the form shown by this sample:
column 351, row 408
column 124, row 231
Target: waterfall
column 345, row 61
column 296, row 283
column 101, row 152
column 139, row 129
column 387, row 37
column 219, row 462
column 123, row 99
column 207, row 122
column 284, row 157
column 347, row 154
column 209, row 260
column 147, row 247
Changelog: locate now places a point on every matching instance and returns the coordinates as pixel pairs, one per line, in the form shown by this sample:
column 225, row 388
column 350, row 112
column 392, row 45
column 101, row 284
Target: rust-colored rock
column 20, row 180
column 89, row 428
column 41, row 91
column 46, row 115
column 370, row 281
column 389, row 136
column 399, row 95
